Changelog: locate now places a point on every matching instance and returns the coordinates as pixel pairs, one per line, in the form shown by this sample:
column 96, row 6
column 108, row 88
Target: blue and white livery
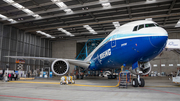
column 134, row 43
column 138, row 41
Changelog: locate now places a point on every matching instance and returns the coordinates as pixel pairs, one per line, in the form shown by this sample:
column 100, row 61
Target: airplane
column 132, row 45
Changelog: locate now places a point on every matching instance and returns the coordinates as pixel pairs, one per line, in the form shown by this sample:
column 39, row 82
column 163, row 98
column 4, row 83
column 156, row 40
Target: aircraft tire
column 142, row 82
column 135, row 82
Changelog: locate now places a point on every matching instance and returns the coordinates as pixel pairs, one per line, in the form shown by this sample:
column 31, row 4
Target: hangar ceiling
column 70, row 16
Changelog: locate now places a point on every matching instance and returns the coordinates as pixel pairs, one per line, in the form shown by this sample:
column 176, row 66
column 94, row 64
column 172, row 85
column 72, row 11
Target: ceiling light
column 18, row 6
column 150, row 1
column 61, row 4
column 178, row 24
column 24, row 9
column 43, row 33
column 148, row 19
column 106, row 5
column 29, row 12
column 6, row 18
column 66, row 32
column 3, row 17
column 68, row 11
column 116, row 24
column 11, row 20
column 102, row 1
column 9, row 1
column 36, row 16
column 56, row 0
column 90, row 29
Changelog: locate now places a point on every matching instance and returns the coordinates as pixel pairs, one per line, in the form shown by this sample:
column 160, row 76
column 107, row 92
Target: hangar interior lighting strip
column 62, row 5
column 3, row 17
column 150, row 1
column 43, row 33
column 116, row 24
column 24, row 9
column 90, row 29
column 105, row 3
column 66, row 32
column 178, row 24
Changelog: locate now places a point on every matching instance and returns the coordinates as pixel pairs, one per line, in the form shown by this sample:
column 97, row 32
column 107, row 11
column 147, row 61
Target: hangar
column 60, row 29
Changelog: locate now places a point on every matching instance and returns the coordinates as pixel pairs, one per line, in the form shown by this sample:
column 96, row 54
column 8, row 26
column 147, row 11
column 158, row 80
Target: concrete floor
column 156, row 89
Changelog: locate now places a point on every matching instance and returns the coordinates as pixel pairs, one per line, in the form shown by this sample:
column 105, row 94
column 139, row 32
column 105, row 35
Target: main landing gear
column 138, row 81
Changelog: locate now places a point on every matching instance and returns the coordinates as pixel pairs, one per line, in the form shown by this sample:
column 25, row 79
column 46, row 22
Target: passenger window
column 149, row 25
column 141, row 26
column 135, row 28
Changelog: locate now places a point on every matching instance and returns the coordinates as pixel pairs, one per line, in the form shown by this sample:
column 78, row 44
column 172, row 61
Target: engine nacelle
column 144, row 67
column 60, row 67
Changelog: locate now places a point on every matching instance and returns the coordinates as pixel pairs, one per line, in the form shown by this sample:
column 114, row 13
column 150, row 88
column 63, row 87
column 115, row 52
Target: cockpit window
column 149, row 25
column 140, row 26
column 156, row 24
column 135, row 28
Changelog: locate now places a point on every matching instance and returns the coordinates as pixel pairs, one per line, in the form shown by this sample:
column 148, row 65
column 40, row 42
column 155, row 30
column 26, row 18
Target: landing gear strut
column 138, row 81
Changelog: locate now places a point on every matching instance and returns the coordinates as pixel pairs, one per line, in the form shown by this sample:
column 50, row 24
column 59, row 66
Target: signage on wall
column 173, row 43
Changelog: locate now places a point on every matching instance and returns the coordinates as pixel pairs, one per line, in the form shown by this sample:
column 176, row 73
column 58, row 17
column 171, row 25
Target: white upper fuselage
column 126, row 31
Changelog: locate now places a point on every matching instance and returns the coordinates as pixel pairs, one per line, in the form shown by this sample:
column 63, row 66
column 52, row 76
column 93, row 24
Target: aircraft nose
column 160, row 40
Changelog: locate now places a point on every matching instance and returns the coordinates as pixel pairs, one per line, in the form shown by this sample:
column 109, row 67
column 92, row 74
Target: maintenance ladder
column 124, row 79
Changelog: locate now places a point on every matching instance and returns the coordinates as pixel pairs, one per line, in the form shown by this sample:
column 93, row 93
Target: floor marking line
column 91, row 85
column 34, row 82
column 59, row 83
column 162, row 91
column 161, row 86
column 31, row 98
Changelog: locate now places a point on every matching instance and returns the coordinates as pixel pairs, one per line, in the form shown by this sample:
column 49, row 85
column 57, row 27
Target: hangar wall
column 15, row 42
column 64, row 49
column 166, row 58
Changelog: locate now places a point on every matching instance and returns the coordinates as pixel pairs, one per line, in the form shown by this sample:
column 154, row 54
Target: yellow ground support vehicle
column 67, row 80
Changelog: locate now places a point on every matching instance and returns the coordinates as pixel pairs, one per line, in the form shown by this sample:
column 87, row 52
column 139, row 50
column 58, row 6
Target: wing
column 81, row 63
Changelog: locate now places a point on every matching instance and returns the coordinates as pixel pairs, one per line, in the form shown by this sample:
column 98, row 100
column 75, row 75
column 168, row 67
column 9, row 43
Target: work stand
column 124, row 79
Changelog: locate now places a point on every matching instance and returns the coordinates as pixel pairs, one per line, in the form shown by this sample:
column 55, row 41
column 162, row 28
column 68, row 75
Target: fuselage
column 132, row 42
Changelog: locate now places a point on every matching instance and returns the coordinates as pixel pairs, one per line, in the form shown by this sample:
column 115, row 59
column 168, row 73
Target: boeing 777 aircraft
column 131, row 45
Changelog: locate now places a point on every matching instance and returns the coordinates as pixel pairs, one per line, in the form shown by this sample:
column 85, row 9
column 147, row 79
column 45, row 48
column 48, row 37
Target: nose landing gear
column 138, row 81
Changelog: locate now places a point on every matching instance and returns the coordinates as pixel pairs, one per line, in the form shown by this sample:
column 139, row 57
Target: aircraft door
column 113, row 41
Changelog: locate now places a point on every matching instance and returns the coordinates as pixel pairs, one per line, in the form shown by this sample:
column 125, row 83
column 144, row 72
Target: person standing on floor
column 9, row 76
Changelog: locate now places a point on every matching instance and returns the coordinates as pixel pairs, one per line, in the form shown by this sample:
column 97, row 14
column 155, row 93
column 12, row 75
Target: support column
column 29, row 54
column 23, row 43
column 1, row 42
column 48, row 49
column 35, row 41
column 16, row 47
column 9, row 44
column 23, row 34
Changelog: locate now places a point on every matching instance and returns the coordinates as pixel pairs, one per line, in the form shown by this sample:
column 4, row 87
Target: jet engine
column 143, row 69
column 60, row 67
